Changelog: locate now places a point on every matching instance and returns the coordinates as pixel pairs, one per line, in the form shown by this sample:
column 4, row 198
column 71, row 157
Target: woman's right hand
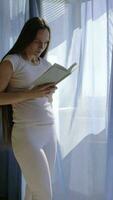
column 43, row 90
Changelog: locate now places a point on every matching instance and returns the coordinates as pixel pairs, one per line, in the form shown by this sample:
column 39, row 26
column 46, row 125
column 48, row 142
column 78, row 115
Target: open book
column 55, row 74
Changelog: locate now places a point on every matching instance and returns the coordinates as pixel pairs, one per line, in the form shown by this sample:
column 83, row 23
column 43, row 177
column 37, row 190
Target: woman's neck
column 31, row 58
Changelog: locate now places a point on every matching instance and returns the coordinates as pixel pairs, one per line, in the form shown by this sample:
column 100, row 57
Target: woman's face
column 39, row 44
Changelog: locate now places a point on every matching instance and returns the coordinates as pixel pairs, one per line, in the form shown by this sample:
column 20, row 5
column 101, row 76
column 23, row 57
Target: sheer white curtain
column 109, row 169
column 12, row 18
column 80, row 32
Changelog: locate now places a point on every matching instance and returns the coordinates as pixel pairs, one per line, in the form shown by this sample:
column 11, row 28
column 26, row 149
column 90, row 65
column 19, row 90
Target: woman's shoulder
column 13, row 57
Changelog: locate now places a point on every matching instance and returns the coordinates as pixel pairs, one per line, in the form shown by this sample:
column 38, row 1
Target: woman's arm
column 6, row 71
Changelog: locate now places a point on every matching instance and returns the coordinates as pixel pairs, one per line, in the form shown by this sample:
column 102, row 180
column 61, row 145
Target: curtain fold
column 33, row 9
column 109, row 164
column 109, row 117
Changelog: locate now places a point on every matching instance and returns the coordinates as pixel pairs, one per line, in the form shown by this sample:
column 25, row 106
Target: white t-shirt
column 39, row 110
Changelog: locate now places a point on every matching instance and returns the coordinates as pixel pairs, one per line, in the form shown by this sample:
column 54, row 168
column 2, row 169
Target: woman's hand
column 43, row 90
column 19, row 96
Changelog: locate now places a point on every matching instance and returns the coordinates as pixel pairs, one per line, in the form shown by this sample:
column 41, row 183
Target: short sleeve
column 14, row 59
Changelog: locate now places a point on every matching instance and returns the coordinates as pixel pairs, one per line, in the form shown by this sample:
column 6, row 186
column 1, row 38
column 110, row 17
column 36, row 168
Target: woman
column 33, row 133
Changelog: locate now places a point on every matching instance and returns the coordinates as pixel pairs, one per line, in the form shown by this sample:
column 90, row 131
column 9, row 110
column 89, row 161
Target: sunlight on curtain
column 79, row 33
column 11, row 23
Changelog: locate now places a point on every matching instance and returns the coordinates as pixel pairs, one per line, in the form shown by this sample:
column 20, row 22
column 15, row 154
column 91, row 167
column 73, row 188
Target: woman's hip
column 36, row 136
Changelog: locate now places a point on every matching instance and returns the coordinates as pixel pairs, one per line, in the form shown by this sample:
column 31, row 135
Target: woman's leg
column 34, row 164
column 50, row 151
column 28, row 194
column 35, row 168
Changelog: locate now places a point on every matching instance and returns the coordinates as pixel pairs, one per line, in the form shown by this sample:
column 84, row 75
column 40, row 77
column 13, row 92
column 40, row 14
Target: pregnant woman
column 33, row 132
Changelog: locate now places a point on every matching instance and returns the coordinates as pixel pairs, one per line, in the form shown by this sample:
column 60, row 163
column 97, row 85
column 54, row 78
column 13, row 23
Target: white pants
column 35, row 149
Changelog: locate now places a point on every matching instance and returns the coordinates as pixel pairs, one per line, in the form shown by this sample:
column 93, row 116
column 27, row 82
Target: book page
column 54, row 74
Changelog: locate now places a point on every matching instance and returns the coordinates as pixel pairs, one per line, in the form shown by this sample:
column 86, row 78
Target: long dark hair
column 28, row 34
